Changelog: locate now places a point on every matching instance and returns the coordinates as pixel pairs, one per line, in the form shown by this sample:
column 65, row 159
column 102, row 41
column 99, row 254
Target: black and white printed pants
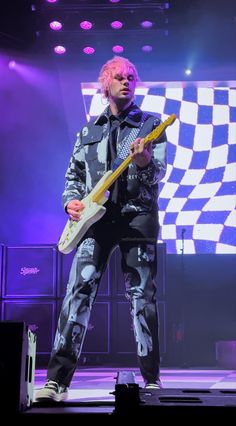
column 136, row 235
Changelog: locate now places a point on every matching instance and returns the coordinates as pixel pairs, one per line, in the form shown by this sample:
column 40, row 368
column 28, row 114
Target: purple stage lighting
column 59, row 50
column 11, row 65
column 116, row 25
column 88, row 50
column 114, row 1
column 147, row 48
column 118, row 49
column 86, row 25
column 146, row 24
column 55, row 25
column 51, row 1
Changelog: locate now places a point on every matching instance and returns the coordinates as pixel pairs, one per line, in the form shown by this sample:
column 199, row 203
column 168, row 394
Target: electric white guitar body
column 93, row 203
column 92, row 212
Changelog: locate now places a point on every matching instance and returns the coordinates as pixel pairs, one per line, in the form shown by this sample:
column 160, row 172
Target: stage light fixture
column 86, row 25
column 88, row 50
column 55, row 25
column 146, row 24
column 188, row 71
column 103, row 26
column 118, row 49
column 147, row 48
column 59, row 50
column 116, row 25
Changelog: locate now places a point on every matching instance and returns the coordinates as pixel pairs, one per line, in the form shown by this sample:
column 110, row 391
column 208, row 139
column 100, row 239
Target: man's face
column 122, row 85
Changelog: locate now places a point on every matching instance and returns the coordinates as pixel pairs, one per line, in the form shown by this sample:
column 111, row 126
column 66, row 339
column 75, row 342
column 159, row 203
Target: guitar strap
column 123, row 147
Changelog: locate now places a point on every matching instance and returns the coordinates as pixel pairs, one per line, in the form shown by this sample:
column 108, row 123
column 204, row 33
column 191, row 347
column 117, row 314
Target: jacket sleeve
column 156, row 169
column 75, row 175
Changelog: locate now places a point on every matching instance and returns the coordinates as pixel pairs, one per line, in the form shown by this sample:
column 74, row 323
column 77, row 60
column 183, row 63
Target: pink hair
column 116, row 64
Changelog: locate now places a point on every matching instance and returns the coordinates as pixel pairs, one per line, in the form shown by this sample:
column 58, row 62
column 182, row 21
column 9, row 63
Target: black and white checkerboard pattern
column 198, row 194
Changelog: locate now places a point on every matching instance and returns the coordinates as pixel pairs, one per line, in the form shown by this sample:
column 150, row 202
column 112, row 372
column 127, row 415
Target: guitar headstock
column 160, row 129
column 170, row 120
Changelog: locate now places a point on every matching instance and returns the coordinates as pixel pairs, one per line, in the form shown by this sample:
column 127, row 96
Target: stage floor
column 98, row 383
column 186, row 391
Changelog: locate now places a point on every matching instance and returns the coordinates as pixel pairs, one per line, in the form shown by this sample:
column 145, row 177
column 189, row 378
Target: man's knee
column 88, row 273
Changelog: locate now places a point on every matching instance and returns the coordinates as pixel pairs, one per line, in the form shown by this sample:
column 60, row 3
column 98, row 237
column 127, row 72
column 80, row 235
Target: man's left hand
column 141, row 155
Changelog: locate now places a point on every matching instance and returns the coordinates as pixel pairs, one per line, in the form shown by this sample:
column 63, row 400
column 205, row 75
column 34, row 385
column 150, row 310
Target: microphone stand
column 184, row 363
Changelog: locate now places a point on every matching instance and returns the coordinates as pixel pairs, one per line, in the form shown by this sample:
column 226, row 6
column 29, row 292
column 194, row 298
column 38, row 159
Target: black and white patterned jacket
column 89, row 162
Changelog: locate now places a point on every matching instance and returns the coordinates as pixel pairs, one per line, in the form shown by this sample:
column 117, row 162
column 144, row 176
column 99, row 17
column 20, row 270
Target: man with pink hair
column 130, row 222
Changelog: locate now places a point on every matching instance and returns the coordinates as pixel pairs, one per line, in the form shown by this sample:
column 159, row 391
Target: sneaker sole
column 50, row 395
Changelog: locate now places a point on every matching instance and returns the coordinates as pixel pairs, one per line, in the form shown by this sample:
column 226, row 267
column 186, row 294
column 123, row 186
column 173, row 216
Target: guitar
column 93, row 203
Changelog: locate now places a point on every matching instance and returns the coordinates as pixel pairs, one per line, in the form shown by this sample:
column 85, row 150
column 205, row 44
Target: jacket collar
column 133, row 116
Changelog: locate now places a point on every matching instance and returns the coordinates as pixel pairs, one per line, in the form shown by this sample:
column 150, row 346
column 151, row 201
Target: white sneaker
column 154, row 385
column 52, row 391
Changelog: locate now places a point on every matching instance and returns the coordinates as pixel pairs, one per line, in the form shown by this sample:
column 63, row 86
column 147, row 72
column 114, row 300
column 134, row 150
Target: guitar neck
column 149, row 138
column 111, row 179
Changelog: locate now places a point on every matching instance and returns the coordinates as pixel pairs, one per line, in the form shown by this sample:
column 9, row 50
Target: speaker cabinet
column 1, row 267
column 30, row 271
column 17, row 366
column 39, row 315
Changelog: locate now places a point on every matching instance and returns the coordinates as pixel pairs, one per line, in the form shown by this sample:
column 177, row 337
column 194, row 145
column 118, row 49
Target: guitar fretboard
column 149, row 138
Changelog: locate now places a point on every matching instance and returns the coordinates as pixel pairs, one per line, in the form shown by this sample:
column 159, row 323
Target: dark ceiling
column 205, row 29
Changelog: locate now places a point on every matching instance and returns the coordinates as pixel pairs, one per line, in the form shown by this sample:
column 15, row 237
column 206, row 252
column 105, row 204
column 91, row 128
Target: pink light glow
column 55, row 25
column 116, row 25
column 51, row 1
column 59, row 50
column 86, row 25
column 114, row 1
column 88, row 50
column 11, row 65
column 118, row 49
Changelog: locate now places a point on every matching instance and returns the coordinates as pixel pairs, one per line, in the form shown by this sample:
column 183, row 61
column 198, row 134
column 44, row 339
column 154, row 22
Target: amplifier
column 17, row 366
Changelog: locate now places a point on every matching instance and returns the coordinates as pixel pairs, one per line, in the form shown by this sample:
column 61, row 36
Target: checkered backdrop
column 197, row 198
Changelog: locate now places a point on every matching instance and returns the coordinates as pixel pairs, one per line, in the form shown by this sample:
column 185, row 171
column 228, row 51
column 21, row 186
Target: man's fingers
column 75, row 205
column 74, row 209
column 74, row 216
column 137, row 146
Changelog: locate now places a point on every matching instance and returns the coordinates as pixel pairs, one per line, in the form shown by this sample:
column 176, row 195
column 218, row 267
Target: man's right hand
column 74, row 208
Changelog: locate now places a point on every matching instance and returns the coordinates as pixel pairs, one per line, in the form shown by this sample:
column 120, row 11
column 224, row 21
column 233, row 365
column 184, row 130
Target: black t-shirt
column 115, row 121
column 112, row 154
